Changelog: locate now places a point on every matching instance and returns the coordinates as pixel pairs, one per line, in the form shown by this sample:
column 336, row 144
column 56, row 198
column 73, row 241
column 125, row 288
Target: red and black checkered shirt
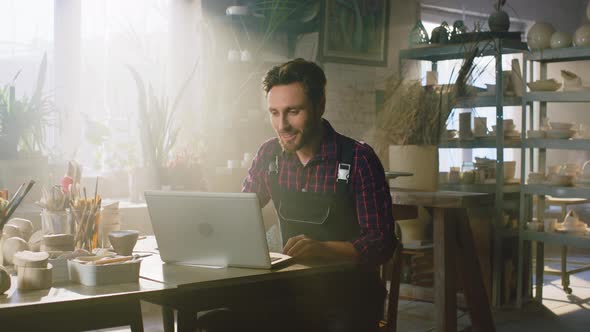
column 376, row 240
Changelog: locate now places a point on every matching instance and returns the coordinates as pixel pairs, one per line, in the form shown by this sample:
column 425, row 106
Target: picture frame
column 355, row 32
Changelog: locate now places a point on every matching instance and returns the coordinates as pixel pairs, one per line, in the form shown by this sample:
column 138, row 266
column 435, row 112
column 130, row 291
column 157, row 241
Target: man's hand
column 302, row 247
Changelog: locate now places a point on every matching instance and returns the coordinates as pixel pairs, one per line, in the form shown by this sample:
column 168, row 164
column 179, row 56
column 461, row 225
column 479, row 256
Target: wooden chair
column 391, row 272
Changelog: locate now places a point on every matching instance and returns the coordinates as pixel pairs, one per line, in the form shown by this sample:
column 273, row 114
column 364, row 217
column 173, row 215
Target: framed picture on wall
column 355, row 32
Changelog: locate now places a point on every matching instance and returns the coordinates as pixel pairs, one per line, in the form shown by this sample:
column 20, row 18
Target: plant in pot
column 23, row 121
column 158, row 130
column 410, row 125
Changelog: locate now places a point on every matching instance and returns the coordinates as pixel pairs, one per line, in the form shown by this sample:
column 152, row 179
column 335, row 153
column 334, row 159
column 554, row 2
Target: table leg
column 445, row 297
column 136, row 323
column 168, row 318
column 476, row 295
column 186, row 320
column 540, row 267
column 565, row 277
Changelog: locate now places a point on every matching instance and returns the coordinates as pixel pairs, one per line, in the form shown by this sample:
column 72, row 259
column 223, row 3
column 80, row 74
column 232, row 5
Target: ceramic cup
column 123, row 241
column 549, row 224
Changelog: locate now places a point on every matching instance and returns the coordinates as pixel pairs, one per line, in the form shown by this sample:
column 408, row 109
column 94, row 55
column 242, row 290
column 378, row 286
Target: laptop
column 211, row 229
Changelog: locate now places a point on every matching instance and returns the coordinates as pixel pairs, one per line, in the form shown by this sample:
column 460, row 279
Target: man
column 329, row 191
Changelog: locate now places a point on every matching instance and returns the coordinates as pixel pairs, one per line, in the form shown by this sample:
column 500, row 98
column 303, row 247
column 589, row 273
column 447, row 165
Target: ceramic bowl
column 544, row 85
column 535, row 134
column 561, row 125
column 560, row 180
column 582, row 35
column 123, row 241
column 25, row 226
column 539, row 35
column 560, row 134
column 509, row 169
column 560, row 39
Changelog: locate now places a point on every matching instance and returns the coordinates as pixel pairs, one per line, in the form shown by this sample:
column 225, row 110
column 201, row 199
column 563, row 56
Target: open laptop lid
column 211, row 229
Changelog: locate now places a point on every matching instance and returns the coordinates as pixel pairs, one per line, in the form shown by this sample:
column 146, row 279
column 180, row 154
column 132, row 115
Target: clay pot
column 499, row 21
column 11, row 246
column 123, row 241
column 561, row 39
column 539, row 36
column 25, row 226
column 4, row 280
column 582, row 35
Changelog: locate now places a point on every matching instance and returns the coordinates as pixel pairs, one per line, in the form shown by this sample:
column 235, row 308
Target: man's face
column 293, row 116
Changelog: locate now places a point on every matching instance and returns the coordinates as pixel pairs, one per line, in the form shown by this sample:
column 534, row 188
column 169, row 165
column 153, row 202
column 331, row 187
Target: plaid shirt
column 376, row 240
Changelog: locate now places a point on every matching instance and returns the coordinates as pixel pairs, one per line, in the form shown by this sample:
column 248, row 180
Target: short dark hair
column 308, row 73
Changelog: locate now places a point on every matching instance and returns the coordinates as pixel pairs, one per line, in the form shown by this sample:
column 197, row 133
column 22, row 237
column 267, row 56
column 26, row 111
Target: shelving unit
column 528, row 192
column 491, row 47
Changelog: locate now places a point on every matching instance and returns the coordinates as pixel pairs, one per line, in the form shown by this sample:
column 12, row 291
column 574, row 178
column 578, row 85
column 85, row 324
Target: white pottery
column 29, row 278
column 36, row 240
column 572, row 222
column 582, row 35
column 11, row 231
column 25, row 226
column 11, row 246
column 544, row 85
column 561, row 125
column 535, row 133
column 560, row 39
column 539, row 35
column 4, row 280
column 412, row 230
column 549, row 224
column 509, row 169
column 31, row 259
column 123, row 241
column 421, row 160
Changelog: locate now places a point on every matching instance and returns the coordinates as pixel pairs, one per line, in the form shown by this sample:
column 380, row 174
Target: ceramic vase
column 418, row 36
column 582, row 35
column 421, row 160
column 539, row 36
column 499, row 21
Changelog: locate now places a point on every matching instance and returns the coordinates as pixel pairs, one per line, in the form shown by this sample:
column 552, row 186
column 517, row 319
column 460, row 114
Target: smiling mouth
column 288, row 137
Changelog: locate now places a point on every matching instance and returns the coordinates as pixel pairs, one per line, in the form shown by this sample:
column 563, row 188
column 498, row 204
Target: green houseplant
column 23, row 121
column 158, row 131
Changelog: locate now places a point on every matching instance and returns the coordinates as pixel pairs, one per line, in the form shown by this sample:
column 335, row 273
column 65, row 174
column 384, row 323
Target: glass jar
column 56, row 222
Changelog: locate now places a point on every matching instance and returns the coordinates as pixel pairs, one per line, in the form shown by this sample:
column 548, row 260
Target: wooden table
column 75, row 307
column 453, row 248
column 200, row 288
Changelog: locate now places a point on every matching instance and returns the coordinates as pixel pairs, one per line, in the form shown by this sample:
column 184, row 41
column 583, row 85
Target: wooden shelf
column 566, row 239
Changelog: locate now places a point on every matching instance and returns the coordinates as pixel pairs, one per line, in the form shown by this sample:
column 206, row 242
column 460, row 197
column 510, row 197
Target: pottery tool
column 15, row 202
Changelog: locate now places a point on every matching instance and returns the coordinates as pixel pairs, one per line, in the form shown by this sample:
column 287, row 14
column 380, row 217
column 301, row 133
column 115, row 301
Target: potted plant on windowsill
column 23, row 121
column 158, row 132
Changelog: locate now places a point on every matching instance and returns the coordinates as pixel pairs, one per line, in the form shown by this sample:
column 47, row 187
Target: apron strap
column 345, row 159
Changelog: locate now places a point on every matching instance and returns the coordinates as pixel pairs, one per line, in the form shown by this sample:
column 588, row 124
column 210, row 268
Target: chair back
column 391, row 271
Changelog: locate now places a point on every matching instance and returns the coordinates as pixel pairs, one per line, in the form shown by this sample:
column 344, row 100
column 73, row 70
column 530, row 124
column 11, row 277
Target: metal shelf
column 480, row 188
column 457, row 51
column 562, row 144
column 480, row 143
column 487, row 101
column 565, row 239
column 559, row 54
column 558, row 96
column 543, row 189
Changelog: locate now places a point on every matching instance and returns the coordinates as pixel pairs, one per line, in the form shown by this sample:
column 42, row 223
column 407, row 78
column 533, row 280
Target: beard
column 302, row 137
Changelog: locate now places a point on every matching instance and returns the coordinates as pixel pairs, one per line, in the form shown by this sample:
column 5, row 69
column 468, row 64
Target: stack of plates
column 582, row 182
column 560, row 133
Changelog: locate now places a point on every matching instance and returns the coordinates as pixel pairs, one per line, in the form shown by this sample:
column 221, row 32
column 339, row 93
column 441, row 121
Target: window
column 91, row 46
